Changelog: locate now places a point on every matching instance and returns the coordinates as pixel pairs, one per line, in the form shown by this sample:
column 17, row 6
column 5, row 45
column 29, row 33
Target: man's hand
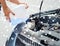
column 26, row 6
column 7, row 11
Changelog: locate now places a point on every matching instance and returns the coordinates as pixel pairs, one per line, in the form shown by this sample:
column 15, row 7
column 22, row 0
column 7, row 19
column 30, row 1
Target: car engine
column 40, row 29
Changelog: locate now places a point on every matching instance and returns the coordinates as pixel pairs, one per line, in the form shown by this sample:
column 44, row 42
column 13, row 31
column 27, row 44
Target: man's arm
column 6, row 10
column 17, row 2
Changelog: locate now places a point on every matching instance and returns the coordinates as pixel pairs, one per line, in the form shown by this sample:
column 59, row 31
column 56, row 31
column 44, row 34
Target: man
column 6, row 10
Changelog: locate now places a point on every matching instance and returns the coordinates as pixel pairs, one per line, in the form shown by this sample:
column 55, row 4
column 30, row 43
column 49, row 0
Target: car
column 40, row 29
